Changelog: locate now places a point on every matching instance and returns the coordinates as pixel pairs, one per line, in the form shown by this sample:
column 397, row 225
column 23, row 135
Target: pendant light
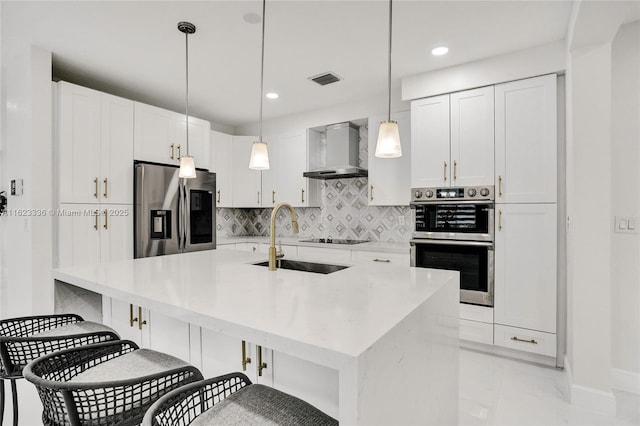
column 187, row 166
column 259, row 153
column 388, row 144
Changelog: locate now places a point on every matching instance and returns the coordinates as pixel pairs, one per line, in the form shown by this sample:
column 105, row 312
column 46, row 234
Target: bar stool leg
column 14, row 396
column 1, row 401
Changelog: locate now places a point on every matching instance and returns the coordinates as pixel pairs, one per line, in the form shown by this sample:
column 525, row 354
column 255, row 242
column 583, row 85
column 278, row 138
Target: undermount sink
column 298, row 265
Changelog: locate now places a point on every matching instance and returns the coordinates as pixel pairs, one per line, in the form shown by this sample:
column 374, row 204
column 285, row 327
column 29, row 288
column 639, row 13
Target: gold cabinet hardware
column 218, row 196
column 96, row 213
column 172, row 151
column 258, row 197
column 499, row 186
column 95, row 192
column 532, row 341
column 106, row 219
column 131, row 317
column 245, row 359
column 106, row 184
column 261, row 365
column 141, row 322
column 179, row 153
column 455, row 170
column 302, row 194
column 253, row 249
column 382, row 260
column 371, row 192
column 500, row 220
column 445, row 171
column 273, row 197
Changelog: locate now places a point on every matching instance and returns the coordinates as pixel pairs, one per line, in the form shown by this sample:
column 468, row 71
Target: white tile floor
column 503, row 391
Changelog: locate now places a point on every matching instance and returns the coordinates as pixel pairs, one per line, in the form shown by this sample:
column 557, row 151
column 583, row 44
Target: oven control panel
column 461, row 193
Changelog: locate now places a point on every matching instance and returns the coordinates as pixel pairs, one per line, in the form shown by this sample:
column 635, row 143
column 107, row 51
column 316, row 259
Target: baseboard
column 509, row 353
column 591, row 399
column 624, row 380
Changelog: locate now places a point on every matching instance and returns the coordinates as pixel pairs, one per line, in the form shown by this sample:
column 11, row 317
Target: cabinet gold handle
column 273, row 197
column 302, row 194
column 445, row 171
column 96, row 213
column 500, row 220
column 245, row 359
column 258, row 197
column 172, row 151
column 95, row 192
column 261, row 365
column 141, row 322
column 179, row 153
column 131, row 318
column 455, row 170
column 499, row 186
column 532, row 341
column 371, row 192
column 382, row 260
column 106, row 219
column 218, row 196
column 106, row 184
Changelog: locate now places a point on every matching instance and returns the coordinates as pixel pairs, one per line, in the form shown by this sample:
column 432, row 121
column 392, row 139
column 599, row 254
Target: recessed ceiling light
column 252, row 18
column 439, row 51
column 272, row 95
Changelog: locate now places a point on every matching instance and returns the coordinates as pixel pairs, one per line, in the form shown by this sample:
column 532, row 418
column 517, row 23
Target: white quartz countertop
column 325, row 318
column 378, row 246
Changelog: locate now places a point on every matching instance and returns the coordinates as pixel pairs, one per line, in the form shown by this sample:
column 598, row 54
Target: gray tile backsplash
column 343, row 213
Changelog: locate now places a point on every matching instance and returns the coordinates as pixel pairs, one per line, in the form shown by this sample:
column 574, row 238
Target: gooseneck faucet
column 273, row 254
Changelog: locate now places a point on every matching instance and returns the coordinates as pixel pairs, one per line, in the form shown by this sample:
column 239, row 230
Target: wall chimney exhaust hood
column 343, row 145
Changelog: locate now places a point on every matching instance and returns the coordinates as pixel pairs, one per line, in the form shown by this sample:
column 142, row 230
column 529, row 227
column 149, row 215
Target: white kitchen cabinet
column 321, row 254
column 290, row 155
column 390, row 178
column 453, row 139
column 526, row 141
column 151, row 330
column 246, row 182
column 525, row 266
column 522, row 339
column 95, row 152
column 160, row 136
column 221, row 146
column 94, row 233
column 359, row 257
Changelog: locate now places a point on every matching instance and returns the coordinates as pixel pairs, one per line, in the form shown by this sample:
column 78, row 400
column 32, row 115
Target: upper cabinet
column 246, row 182
column 453, row 139
column 526, row 141
column 390, row 178
column 221, row 154
column 290, row 155
column 95, row 146
column 160, row 136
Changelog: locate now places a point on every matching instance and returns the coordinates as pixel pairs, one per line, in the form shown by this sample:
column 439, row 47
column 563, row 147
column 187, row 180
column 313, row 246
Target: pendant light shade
column 187, row 166
column 388, row 144
column 259, row 152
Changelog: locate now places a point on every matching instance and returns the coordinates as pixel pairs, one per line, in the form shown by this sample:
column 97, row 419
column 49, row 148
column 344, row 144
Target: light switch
column 622, row 224
column 626, row 225
column 631, row 225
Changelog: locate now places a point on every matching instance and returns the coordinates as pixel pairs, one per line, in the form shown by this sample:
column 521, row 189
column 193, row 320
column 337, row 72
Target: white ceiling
column 133, row 49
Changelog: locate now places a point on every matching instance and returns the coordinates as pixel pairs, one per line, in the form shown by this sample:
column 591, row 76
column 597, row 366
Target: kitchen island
column 391, row 332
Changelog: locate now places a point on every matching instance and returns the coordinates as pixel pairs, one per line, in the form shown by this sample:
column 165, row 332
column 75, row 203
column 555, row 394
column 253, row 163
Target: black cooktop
column 333, row 241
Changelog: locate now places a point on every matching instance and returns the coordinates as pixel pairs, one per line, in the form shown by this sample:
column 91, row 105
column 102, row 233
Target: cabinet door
column 199, row 132
column 155, row 135
column 116, row 232
column 288, row 158
column 116, row 149
column 390, row 178
column 246, row 182
column 221, row 166
column 526, row 140
column 222, row 354
column 166, row 334
column 430, row 165
column 79, row 144
column 122, row 314
column 78, row 234
column 472, row 137
column 525, row 266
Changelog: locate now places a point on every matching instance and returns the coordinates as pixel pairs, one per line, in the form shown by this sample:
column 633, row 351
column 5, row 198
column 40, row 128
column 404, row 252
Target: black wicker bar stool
column 27, row 338
column 111, row 383
column 233, row 400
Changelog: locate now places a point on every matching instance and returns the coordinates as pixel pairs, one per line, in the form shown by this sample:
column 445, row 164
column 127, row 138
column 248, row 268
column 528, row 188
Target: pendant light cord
column 186, row 42
column 264, row 4
column 389, row 76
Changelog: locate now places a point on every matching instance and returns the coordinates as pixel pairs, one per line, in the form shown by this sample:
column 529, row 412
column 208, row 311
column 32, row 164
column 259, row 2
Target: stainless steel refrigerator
column 172, row 215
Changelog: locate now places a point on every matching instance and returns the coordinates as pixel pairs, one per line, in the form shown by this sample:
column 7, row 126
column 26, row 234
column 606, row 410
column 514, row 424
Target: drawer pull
column 172, row 151
column 106, row 184
column 382, row 260
column 141, row 322
column 245, row 359
column 532, row 341
column 218, row 195
column 95, row 193
column 445, row 171
column 132, row 319
column 303, row 195
column 261, row 365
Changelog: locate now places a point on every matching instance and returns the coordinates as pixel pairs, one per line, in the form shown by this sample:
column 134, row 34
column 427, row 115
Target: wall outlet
column 626, row 225
column 400, row 220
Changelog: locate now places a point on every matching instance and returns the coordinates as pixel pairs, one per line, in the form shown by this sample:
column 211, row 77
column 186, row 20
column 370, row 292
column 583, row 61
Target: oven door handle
column 415, row 204
column 453, row 243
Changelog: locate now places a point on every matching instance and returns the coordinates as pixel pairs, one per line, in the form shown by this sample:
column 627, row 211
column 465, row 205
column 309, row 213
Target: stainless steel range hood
column 343, row 141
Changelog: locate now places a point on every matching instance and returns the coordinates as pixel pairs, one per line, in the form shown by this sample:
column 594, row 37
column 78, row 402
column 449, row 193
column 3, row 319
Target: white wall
column 625, row 199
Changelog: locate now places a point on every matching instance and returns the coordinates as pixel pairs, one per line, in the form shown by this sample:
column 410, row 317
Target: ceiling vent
column 325, row 78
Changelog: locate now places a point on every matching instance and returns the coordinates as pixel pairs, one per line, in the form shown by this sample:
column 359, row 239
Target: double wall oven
column 454, row 229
